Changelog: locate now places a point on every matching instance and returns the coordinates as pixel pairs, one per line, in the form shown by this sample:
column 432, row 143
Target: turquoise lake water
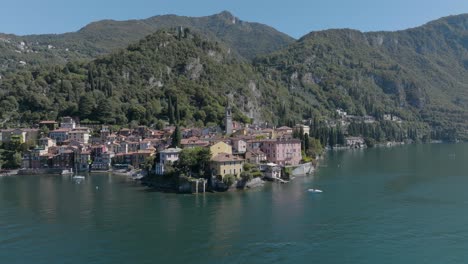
column 405, row 204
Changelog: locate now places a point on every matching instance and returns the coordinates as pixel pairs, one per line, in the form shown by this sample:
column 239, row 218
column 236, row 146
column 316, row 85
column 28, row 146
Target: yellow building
column 220, row 147
column 224, row 164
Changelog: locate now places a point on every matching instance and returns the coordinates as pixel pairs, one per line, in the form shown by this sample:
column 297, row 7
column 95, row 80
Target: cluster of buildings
column 270, row 148
column 67, row 145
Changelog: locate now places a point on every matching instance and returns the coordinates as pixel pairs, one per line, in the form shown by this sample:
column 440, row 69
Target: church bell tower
column 228, row 120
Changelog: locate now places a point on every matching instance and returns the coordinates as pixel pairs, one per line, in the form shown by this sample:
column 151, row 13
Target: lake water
column 404, row 204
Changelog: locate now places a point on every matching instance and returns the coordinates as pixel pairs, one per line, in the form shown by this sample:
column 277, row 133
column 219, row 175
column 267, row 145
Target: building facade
column 283, row 151
column 224, row 164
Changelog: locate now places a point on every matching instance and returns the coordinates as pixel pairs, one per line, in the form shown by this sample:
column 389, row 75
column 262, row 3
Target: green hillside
column 186, row 75
column 167, row 76
column 418, row 74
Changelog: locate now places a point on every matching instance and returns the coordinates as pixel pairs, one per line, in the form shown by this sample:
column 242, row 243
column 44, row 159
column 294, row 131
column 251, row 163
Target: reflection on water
column 405, row 203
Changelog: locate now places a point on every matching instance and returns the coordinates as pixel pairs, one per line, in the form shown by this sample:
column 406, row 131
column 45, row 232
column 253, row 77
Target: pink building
column 282, row 151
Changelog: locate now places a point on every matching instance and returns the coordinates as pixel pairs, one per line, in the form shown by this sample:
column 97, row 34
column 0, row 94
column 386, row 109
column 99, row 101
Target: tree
column 176, row 137
column 44, row 131
column 315, row 147
column 149, row 162
column 229, row 179
column 177, row 111
column 86, row 106
column 246, row 176
column 170, row 111
column 194, row 161
column 306, row 142
column 136, row 112
column 105, row 111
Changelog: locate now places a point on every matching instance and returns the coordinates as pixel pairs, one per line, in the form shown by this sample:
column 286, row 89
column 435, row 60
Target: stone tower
column 228, row 120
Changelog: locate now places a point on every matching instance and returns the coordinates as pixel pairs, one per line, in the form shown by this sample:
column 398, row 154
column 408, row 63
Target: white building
column 355, row 142
column 167, row 156
column 79, row 135
column 68, row 122
column 239, row 146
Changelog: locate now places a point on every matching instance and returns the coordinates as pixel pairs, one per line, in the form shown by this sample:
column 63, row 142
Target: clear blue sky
column 294, row 17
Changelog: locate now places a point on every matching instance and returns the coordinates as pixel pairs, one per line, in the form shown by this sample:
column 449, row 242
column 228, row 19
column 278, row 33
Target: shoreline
column 164, row 185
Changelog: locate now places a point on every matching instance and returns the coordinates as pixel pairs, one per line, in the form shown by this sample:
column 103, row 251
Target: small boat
column 77, row 177
column 137, row 176
column 315, row 191
column 67, row 172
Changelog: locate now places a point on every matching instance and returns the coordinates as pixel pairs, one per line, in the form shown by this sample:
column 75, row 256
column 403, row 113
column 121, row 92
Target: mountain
column 412, row 82
column 244, row 38
column 419, row 74
column 167, row 76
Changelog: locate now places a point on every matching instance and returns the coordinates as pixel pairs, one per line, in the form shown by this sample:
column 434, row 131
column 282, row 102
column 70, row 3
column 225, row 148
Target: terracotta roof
column 256, row 151
column 60, row 130
column 224, row 157
column 145, row 151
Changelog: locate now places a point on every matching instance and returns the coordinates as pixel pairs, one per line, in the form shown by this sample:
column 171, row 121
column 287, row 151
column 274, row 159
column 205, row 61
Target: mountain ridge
column 101, row 37
column 419, row 75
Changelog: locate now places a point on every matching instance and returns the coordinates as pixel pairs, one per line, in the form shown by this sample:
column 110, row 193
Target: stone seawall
column 39, row 171
column 303, row 169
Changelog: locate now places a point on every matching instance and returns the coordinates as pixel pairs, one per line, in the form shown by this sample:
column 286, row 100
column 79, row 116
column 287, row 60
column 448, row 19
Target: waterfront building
column 166, row 157
column 282, row 151
column 224, row 164
column 169, row 155
column 272, row 171
column 355, row 142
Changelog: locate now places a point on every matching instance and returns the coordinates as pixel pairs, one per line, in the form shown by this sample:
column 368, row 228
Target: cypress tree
column 177, row 111
column 176, row 138
column 306, row 143
column 170, row 111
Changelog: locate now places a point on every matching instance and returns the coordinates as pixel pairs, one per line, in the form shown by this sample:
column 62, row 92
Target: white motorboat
column 67, row 172
column 77, row 177
column 315, row 191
